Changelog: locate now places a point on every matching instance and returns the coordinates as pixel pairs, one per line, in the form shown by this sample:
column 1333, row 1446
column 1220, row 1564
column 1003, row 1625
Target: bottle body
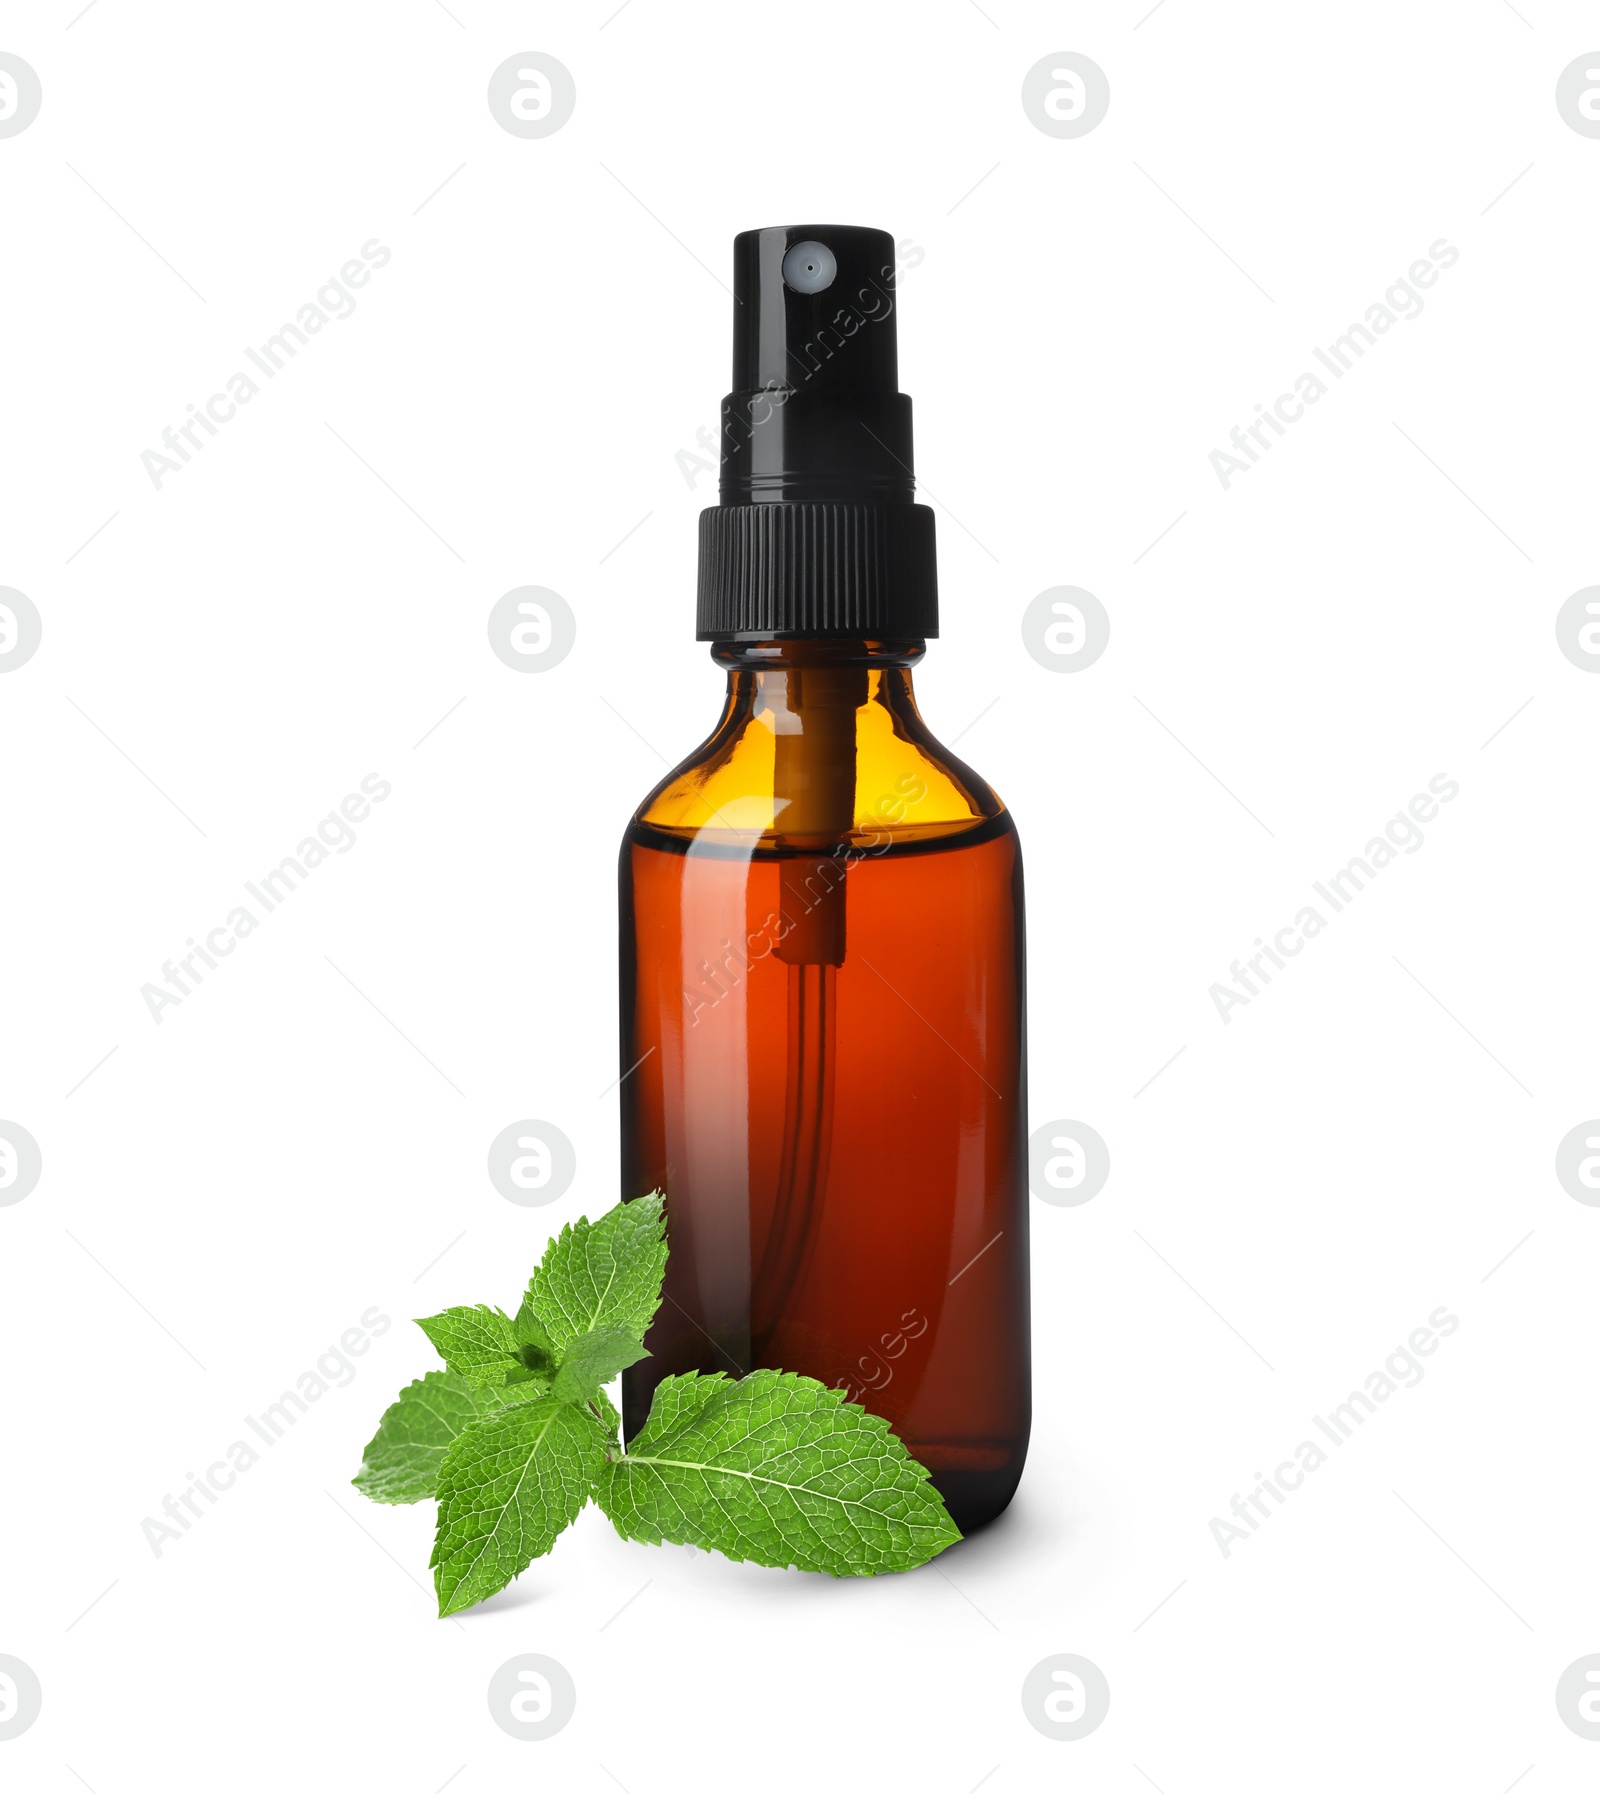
column 823, row 1047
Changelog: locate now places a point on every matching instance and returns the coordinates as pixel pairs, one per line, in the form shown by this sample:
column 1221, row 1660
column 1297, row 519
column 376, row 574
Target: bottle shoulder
column 908, row 786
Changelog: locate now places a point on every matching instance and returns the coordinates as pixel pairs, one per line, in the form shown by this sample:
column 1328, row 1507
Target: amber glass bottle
column 822, row 935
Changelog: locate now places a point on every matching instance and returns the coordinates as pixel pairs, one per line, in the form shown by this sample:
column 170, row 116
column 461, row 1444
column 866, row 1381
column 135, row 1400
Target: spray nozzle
column 809, row 267
column 816, row 411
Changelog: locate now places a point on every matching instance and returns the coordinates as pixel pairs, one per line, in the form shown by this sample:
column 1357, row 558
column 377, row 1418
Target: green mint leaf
column 508, row 1486
column 775, row 1469
column 529, row 1382
column 610, row 1419
column 535, row 1350
column 480, row 1343
column 604, row 1273
column 401, row 1463
column 592, row 1360
column 531, row 1332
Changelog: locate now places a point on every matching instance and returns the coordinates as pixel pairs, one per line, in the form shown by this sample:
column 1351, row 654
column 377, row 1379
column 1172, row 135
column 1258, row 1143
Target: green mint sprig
column 515, row 1436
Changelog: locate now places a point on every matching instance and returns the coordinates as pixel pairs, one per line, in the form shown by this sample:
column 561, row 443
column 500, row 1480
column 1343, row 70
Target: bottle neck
column 795, row 677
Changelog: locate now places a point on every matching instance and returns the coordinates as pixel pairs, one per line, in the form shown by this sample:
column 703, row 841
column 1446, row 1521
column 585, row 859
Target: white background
column 304, row 1137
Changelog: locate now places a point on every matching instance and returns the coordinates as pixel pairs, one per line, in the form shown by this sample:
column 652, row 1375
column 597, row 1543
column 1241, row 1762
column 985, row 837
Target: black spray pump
column 817, row 534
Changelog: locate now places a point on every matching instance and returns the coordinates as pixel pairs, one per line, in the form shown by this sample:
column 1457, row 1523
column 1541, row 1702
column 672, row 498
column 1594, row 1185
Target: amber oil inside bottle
column 822, row 1030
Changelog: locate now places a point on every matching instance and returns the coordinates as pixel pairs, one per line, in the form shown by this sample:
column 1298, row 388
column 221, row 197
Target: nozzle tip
column 803, row 293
